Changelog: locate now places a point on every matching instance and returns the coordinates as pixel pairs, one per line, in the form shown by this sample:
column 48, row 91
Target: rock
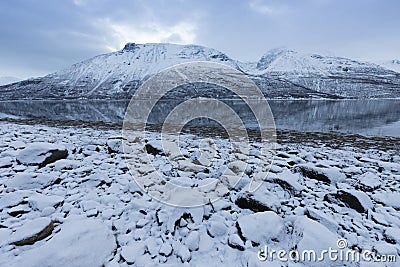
column 321, row 217
column 235, row 242
column 26, row 180
column 80, row 242
column 216, row 228
column 13, row 198
column 389, row 199
column 41, row 154
column 353, row 199
column 238, row 167
column 132, row 251
column 153, row 148
column 165, row 250
column 19, row 210
column 368, row 182
column 260, row 227
column 114, row 145
column 189, row 166
column 288, row 181
column 313, row 236
column 32, row 231
column 392, row 235
column 248, row 201
column 6, row 162
column 39, row 201
column 192, row 240
column 183, row 253
column 326, row 175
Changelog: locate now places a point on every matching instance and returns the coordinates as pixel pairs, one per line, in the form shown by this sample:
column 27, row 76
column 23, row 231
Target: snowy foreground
column 67, row 199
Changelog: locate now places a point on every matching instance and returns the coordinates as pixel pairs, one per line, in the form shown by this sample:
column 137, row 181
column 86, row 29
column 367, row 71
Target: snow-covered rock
column 41, row 154
column 192, row 241
column 313, row 236
column 369, row 181
column 6, row 162
column 354, row 199
column 32, row 231
column 391, row 199
column 132, row 252
column 82, row 242
column 260, row 227
column 327, row 175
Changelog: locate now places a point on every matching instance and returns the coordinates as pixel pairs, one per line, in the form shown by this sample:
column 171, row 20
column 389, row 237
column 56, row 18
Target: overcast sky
column 38, row 37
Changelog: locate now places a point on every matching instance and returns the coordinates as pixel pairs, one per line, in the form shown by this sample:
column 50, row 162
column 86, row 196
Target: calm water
column 379, row 117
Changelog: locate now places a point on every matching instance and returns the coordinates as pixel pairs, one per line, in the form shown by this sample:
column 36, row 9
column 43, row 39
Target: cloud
column 118, row 34
column 268, row 7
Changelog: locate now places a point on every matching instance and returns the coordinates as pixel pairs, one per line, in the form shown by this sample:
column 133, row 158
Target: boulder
column 41, row 154
column 353, row 199
column 32, row 231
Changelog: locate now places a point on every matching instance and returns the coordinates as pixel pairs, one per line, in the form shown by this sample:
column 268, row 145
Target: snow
column 314, row 236
column 391, row 199
column 94, row 202
column 70, row 246
column 261, row 227
column 8, row 79
column 192, row 241
column 38, row 152
column 295, row 74
column 132, row 252
column 29, row 229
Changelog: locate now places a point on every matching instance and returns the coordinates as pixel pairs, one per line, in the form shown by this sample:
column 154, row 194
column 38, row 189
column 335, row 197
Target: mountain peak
column 271, row 56
column 130, row 47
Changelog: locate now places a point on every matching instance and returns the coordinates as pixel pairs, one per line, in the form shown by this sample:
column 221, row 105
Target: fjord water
column 377, row 117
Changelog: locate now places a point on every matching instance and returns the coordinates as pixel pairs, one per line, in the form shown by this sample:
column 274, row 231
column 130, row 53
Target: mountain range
column 8, row 79
column 280, row 73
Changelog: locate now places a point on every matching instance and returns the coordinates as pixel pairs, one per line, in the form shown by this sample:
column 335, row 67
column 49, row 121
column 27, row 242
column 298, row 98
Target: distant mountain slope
column 279, row 73
column 391, row 65
column 7, row 80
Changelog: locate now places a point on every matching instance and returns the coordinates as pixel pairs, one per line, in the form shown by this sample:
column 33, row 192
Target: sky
column 38, row 37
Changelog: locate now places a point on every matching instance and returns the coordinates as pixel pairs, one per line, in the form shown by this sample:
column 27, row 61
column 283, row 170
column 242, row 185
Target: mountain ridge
column 280, row 73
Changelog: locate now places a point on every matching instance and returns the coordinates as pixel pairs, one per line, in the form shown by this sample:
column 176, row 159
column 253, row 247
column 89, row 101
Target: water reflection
column 380, row 117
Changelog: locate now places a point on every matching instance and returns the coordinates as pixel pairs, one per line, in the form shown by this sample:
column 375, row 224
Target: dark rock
column 247, row 202
column 39, row 235
column 355, row 200
column 152, row 150
column 41, row 154
column 326, row 175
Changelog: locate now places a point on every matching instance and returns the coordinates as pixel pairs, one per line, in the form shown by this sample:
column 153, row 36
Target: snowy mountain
column 391, row 65
column 279, row 73
column 7, row 80
column 334, row 76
